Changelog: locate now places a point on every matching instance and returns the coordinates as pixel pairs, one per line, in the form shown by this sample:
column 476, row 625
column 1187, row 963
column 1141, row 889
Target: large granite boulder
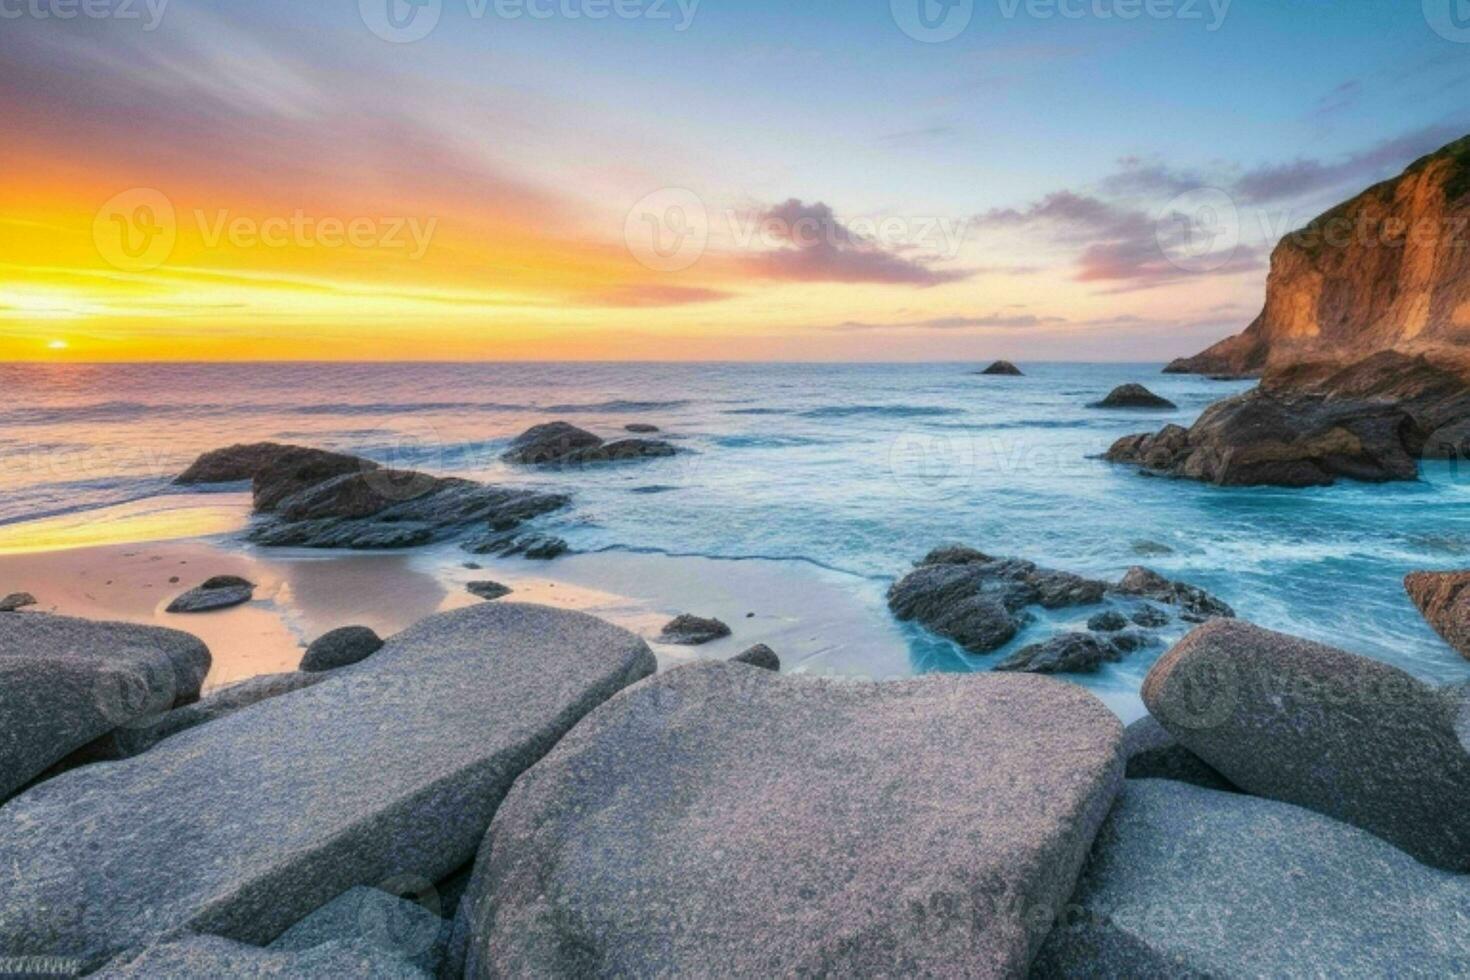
column 1190, row 882
column 980, row 602
column 782, row 826
column 219, row 592
column 340, row 647
column 1308, row 724
column 134, row 739
column 1445, row 602
column 65, row 683
column 391, row 767
column 1150, row 752
column 199, row 957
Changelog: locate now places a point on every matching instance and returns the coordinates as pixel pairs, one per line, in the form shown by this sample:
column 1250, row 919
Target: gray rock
column 200, row 957
column 1305, row 723
column 340, row 647
column 538, row 547
column 1130, row 641
column 760, row 656
column 487, row 590
column 391, row 509
column 220, row 592
column 548, row 443
column 1133, row 396
column 391, row 767
column 641, row 428
column 373, row 918
column 15, row 601
column 1195, row 604
column 131, row 740
column 66, row 682
column 1150, row 752
column 1190, row 882
column 787, row 826
column 692, row 631
column 1108, row 622
column 1064, row 653
column 621, row 451
column 1149, row 617
column 979, row 601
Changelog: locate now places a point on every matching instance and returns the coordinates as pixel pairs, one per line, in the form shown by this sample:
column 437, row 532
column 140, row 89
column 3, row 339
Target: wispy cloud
column 995, row 321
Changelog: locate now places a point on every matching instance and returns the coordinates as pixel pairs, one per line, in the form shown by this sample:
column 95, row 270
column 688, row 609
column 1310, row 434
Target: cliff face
column 1387, row 270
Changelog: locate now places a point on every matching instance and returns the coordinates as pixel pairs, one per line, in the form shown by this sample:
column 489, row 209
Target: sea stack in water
column 1363, row 347
column 1444, row 599
column 1003, row 368
column 1133, row 396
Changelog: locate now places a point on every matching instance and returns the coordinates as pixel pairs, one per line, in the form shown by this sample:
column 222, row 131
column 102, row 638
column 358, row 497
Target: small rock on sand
column 16, row 600
column 760, row 656
column 691, row 631
column 220, row 592
column 487, row 590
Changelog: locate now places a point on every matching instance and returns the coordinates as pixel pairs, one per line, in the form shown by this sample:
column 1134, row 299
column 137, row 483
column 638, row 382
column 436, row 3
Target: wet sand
column 129, row 562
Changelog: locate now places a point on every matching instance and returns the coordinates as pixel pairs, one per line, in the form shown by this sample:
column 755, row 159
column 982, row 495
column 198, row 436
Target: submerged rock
column 782, row 826
column 487, row 590
column 1304, row 723
column 760, row 656
column 1064, row 653
column 980, row 602
column 220, row 592
column 1191, row 882
column 1133, row 396
column 1444, row 600
column 65, row 683
column 1002, row 368
column 15, row 601
column 1150, row 752
column 621, row 451
column 392, row 767
column 692, row 631
column 549, row 442
column 1108, row 622
column 340, row 647
column 1195, row 604
column 641, row 428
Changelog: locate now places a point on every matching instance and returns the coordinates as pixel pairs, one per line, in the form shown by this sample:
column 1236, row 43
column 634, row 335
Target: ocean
column 855, row 469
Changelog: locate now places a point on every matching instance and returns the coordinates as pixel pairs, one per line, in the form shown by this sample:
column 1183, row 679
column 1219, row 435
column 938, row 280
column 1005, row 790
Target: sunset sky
column 717, row 180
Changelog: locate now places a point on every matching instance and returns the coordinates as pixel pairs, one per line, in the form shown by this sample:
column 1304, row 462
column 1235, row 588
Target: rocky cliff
column 1387, row 270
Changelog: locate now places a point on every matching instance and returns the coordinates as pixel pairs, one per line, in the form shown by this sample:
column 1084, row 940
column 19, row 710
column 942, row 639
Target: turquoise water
column 857, row 468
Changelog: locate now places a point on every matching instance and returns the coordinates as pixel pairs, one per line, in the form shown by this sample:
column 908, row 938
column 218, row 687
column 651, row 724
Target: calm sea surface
column 856, row 468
